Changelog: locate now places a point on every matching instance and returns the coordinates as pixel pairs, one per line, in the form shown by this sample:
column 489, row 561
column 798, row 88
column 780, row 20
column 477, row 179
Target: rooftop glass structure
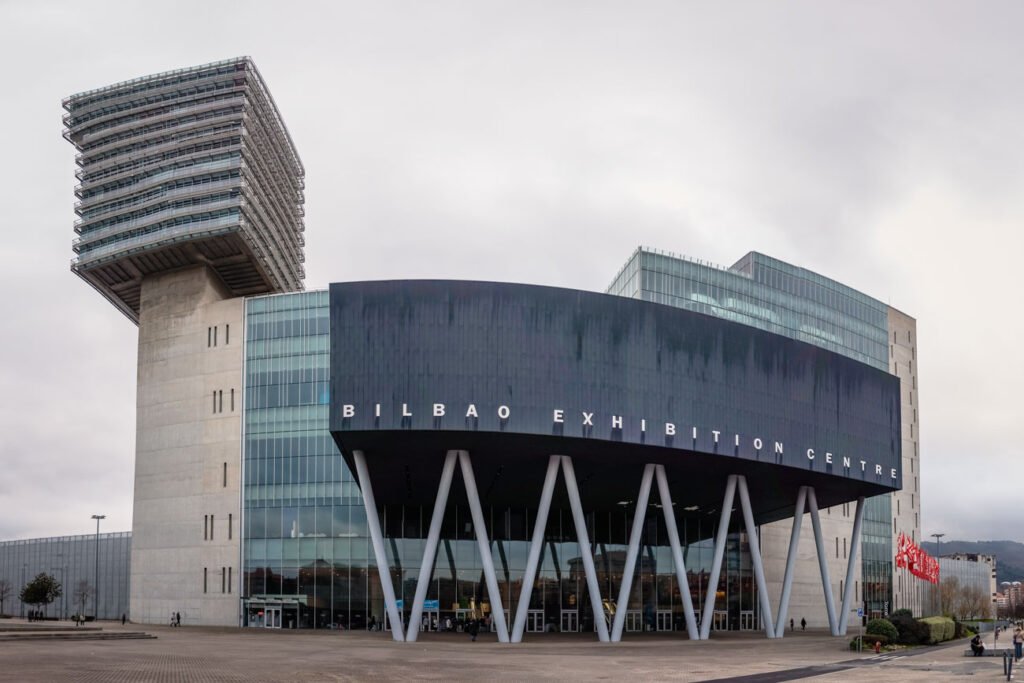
column 186, row 167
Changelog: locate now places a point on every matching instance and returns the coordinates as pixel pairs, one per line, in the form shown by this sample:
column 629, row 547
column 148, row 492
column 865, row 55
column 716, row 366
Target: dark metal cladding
column 408, row 345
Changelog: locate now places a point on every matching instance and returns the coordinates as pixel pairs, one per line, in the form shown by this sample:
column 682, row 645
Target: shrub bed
column 940, row 629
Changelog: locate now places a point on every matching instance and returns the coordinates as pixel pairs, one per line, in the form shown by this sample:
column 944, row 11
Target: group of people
column 472, row 626
column 35, row 615
column 175, row 619
column 978, row 645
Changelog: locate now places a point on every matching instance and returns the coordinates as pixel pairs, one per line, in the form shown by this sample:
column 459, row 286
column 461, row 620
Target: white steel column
column 536, row 544
column 755, row 558
column 677, row 553
column 851, row 566
column 819, row 544
column 794, row 542
column 585, row 552
column 497, row 611
column 716, row 565
column 377, row 538
column 632, row 552
column 430, row 549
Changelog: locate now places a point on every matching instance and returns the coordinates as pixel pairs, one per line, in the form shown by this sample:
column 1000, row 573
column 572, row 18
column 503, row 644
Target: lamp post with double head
column 96, row 576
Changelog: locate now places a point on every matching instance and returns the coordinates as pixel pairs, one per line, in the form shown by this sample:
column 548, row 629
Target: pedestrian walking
column 1018, row 644
column 123, row 619
column 803, row 624
column 178, row 619
column 474, row 629
column 791, row 626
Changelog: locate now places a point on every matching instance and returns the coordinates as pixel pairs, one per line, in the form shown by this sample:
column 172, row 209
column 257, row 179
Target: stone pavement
column 255, row 655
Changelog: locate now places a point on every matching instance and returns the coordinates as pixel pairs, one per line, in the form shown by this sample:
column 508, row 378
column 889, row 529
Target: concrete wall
column 906, row 504
column 187, row 433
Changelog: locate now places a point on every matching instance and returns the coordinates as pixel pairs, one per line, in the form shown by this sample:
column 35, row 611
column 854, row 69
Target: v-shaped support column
column 716, row 563
column 586, row 555
column 819, row 544
column 634, row 548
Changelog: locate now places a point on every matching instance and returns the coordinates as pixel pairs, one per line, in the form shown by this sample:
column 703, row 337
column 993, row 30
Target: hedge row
column 940, row 629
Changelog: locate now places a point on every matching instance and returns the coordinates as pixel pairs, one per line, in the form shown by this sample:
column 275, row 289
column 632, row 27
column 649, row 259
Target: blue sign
column 860, row 612
column 431, row 604
column 399, row 604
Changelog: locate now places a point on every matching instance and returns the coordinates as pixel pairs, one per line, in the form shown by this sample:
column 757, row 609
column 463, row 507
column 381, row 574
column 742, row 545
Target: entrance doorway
column 272, row 617
column 634, row 622
column 664, row 617
column 535, row 621
column 570, row 621
column 747, row 620
column 721, row 620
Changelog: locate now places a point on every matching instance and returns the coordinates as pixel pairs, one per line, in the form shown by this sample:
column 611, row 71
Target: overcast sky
column 880, row 144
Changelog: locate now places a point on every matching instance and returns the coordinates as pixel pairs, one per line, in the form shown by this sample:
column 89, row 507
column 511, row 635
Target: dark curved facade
column 634, row 382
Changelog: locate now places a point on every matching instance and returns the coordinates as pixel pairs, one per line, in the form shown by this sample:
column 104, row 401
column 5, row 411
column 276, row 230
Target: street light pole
column 938, row 554
column 96, row 579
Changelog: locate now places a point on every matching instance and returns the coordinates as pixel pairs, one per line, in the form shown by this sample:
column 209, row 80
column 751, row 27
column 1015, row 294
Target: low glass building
column 71, row 560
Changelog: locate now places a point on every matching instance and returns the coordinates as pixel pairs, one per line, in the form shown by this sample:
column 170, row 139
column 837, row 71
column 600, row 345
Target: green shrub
column 940, row 629
column 911, row 631
column 903, row 612
column 882, row 627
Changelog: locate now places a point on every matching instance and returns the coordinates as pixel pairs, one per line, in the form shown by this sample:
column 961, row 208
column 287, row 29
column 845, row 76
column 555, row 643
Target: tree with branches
column 81, row 595
column 41, row 591
column 5, row 592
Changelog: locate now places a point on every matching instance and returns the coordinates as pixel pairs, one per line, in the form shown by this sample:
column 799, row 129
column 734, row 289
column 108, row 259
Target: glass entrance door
column 535, row 621
column 272, row 618
column 747, row 620
column 664, row 620
column 570, row 621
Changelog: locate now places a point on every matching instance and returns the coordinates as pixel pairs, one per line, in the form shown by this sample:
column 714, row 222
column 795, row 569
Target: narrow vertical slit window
column 209, row 336
column 206, row 527
column 230, row 522
column 205, row 579
column 227, row 334
column 223, row 580
column 232, row 400
column 215, row 400
column 229, row 579
column 214, row 336
column 211, row 527
column 225, row 476
column 220, row 395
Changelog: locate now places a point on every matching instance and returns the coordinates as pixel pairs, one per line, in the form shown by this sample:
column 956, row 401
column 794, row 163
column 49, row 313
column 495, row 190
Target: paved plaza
column 251, row 655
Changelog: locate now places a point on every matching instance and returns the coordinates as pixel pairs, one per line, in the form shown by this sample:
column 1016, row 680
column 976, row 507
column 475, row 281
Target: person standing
column 1018, row 644
column 474, row 629
column 792, row 627
column 803, row 624
column 178, row 619
column 123, row 618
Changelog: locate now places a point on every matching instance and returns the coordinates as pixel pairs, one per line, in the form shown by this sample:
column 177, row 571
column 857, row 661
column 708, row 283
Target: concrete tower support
column 185, row 528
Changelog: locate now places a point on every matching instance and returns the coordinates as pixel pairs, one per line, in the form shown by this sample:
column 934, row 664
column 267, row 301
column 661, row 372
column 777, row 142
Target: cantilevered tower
column 190, row 197
column 187, row 167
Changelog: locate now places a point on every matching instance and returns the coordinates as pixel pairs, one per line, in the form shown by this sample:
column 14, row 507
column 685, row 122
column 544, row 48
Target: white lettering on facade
column 504, row 412
column 670, row 429
column 846, row 462
column 471, row 410
column 348, row 410
column 588, row 419
column 376, row 410
column 643, row 425
column 810, row 454
column 778, row 447
column 758, row 444
column 737, row 439
column 828, row 458
column 405, row 410
column 694, row 433
column 878, row 469
column 438, row 410
column 893, row 471
column 862, row 464
column 616, row 422
column 558, row 416
column 716, row 435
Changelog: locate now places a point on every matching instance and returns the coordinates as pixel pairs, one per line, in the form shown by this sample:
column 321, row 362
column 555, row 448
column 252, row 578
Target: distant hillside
column 1009, row 555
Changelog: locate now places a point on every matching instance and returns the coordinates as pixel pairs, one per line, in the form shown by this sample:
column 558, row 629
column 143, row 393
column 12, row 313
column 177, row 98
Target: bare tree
column 5, row 592
column 949, row 589
column 81, row 595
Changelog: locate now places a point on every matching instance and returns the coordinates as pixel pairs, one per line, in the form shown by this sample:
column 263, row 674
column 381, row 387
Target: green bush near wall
column 882, row 627
column 940, row 629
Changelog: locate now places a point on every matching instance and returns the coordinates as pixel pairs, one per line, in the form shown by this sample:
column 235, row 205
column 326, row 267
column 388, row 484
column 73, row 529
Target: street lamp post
column 96, row 579
column 938, row 554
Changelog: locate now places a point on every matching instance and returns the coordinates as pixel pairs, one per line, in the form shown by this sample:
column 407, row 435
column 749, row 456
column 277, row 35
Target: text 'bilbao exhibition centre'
column 697, row 449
